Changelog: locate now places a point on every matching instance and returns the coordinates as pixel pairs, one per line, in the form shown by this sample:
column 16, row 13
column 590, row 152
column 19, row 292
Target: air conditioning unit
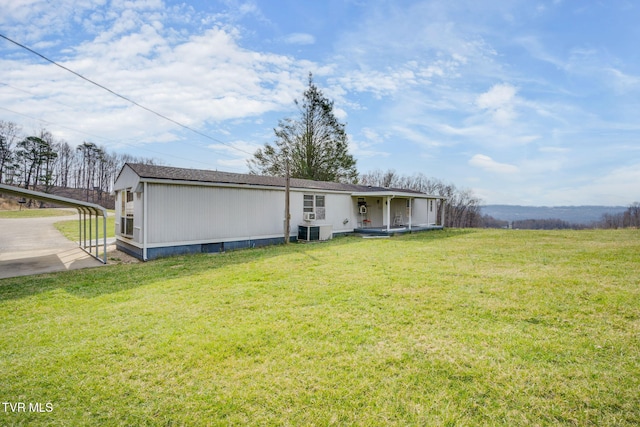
column 310, row 233
column 309, row 216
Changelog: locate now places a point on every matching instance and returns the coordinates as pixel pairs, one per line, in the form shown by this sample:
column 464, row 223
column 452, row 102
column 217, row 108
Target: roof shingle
column 202, row 175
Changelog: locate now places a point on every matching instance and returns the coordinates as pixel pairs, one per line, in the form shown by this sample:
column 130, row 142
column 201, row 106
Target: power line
column 137, row 147
column 122, row 96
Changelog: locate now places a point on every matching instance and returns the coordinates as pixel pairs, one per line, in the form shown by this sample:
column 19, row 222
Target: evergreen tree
column 314, row 145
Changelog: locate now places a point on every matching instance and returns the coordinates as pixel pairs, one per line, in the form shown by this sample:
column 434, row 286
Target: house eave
column 394, row 194
column 164, row 181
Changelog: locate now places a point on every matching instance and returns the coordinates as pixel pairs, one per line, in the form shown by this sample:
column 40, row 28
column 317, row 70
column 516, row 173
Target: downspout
column 144, row 221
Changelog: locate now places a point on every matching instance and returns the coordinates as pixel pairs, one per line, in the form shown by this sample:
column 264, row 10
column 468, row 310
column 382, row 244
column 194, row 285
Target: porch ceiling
column 398, row 194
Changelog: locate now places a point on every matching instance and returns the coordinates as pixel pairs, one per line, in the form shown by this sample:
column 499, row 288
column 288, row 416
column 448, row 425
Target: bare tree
column 461, row 210
column 88, row 154
column 9, row 134
column 42, row 161
column 48, row 158
column 66, row 156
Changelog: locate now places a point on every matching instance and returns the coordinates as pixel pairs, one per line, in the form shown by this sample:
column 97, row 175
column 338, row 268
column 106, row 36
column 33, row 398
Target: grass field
column 456, row 327
column 70, row 228
column 36, row 213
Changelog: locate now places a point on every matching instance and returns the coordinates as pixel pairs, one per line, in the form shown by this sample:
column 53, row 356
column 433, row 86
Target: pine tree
column 315, row 144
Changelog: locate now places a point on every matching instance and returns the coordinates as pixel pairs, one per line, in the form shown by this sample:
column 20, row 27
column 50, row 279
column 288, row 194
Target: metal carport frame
column 83, row 208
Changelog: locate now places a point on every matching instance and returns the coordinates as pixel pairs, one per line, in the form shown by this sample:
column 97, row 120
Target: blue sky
column 524, row 102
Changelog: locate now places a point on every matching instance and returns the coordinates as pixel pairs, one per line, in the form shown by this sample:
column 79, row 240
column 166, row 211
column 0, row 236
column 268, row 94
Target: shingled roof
column 209, row 176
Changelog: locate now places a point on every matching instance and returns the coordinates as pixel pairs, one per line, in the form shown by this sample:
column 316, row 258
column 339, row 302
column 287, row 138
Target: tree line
column 42, row 162
column 627, row 219
column 462, row 209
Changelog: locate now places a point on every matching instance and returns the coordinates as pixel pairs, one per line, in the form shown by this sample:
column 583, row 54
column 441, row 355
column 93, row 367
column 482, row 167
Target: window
column 308, row 203
column 320, row 212
column 431, row 205
column 313, row 203
column 126, row 226
column 126, row 213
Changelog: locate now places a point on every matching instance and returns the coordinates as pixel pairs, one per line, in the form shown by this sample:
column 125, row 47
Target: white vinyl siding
column 180, row 213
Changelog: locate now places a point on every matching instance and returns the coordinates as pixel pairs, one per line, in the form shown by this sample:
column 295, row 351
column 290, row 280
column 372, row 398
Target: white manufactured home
column 162, row 211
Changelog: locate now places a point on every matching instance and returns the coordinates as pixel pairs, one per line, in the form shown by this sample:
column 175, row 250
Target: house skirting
column 382, row 231
column 214, row 247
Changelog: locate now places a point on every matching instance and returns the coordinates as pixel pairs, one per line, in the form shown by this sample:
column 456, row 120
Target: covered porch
column 397, row 211
column 383, row 231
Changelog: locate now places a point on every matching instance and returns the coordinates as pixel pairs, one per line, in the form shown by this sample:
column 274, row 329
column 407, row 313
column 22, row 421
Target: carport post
column 97, row 234
column 84, row 221
column 90, row 231
column 104, row 235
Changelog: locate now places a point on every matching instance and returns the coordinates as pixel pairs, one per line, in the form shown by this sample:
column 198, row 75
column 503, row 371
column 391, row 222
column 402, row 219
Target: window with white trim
column 314, row 203
column 126, row 213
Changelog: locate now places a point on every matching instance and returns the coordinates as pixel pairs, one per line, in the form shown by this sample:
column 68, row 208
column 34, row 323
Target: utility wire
column 106, row 139
column 122, row 96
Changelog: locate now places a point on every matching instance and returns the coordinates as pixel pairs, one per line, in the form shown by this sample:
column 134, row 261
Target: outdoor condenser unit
column 310, row 233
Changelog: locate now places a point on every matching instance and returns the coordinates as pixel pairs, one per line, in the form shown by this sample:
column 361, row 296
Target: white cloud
column 237, row 153
column 206, row 77
column 618, row 186
column 416, row 136
column 487, row 164
column 500, row 102
column 365, row 149
column 622, row 82
column 300, row 39
column 556, row 150
column 379, row 82
column 500, row 95
column 372, row 135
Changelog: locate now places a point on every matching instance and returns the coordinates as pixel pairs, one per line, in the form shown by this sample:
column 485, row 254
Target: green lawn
column 457, row 327
column 36, row 213
column 70, row 228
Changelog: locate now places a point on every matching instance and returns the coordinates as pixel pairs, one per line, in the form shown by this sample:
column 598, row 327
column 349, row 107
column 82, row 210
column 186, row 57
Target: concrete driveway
column 34, row 246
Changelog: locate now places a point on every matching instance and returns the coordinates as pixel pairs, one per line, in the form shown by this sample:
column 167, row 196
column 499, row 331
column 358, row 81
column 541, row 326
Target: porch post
column 388, row 213
column 410, row 211
column 444, row 205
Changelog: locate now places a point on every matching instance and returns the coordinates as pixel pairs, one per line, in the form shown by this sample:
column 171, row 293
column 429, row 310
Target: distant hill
column 572, row 214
